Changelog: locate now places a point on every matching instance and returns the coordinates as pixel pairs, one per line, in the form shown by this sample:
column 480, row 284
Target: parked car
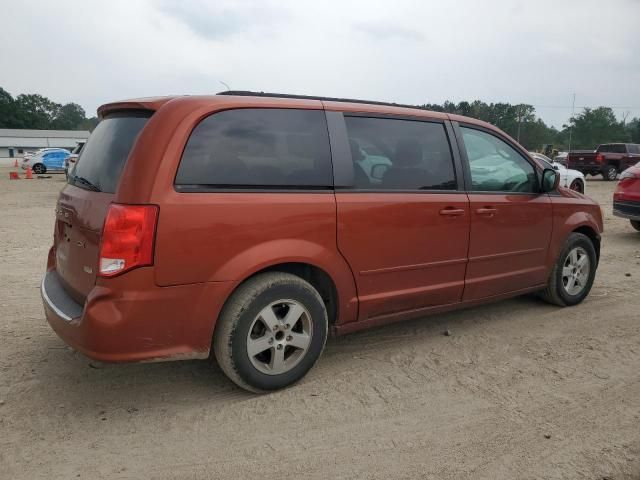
column 608, row 159
column 29, row 154
column 46, row 160
column 73, row 158
column 569, row 178
column 626, row 198
column 236, row 224
column 561, row 158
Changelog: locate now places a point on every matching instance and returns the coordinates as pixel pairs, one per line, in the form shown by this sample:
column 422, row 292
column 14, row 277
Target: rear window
column 254, row 148
column 103, row 157
column 613, row 148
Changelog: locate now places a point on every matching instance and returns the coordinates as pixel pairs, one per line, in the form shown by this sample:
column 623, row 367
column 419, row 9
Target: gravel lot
column 520, row 390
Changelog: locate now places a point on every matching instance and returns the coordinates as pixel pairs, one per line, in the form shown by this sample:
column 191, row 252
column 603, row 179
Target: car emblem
column 81, row 244
column 88, row 270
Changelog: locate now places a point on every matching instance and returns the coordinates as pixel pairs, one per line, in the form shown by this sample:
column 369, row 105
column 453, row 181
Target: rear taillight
column 599, row 158
column 127, row 238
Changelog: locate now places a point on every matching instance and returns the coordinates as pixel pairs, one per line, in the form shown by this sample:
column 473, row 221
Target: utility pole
column 519, row 121
column 624, row 117
column 573, row 106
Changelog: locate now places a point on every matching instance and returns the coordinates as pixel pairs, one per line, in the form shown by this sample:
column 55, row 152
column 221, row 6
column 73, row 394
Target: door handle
column 452, row 212
column 486, row 211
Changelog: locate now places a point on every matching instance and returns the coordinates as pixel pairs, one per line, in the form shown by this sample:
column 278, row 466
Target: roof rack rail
column 247, row 93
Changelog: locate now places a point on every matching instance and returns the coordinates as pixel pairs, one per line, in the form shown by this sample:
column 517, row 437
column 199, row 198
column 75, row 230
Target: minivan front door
column 510, row 221
column 403, row 226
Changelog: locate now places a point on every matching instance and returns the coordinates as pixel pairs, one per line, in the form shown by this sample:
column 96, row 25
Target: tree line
column 38, row 112
column 585, row 130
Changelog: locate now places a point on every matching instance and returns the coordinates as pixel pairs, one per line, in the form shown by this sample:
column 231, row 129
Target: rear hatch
column 84, row 202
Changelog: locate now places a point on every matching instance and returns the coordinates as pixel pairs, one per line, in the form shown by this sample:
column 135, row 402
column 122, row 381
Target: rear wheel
column 610, row 172
column 577, row 186
column 39, row 169
column 271, row 331
column 635, row 224
column 572, row 276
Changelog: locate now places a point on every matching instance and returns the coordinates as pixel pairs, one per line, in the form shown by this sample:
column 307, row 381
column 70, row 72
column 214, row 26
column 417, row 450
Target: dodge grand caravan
column 251, row 225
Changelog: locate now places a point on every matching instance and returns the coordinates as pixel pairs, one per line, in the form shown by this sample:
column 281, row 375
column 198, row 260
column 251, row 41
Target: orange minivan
column 251, row 225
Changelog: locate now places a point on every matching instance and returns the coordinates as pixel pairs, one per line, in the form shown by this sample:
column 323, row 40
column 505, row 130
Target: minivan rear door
column 403, row 222
column 84, row 201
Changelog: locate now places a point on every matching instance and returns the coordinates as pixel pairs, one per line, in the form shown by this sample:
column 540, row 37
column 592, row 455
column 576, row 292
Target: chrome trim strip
column 418, row 266
column 51, row 305
column 481, row 258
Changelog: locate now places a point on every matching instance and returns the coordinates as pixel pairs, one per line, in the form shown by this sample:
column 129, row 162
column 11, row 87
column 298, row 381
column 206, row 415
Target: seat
column 406, row 173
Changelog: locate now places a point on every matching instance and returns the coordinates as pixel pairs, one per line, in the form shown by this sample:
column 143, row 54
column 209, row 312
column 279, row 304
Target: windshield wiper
column 86, row 183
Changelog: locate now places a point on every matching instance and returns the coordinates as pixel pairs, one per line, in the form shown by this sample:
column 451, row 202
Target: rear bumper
column 129, row 318
column 627, row 209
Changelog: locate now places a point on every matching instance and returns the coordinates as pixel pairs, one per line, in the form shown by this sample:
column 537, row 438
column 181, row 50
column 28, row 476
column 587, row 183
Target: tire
column 39, row 169
column 635, row 224
column 558, row 292
column 610, row 173
column 242, row 321
column 577, row 186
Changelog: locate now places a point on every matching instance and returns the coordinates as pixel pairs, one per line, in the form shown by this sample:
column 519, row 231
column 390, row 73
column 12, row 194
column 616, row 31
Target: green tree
column 88, row 124
column 8, row 110
column 35, row 111
column 519, row 121
column 69, row 117
column 633, row 130
column 593, row 127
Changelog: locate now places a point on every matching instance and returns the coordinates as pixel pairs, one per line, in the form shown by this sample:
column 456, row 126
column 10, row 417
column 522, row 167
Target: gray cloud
column 215, row 22
column 405, row 51
column 383, row 31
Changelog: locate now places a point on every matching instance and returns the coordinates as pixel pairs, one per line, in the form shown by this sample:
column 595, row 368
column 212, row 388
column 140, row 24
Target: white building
column 15, row 142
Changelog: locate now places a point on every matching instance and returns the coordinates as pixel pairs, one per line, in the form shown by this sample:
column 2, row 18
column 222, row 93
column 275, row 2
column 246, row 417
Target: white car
column 569, row 178
column 46, row 160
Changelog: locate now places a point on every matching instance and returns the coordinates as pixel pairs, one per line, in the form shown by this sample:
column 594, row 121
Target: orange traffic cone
column 29, row 174
column 13, row 176
column 15, row 164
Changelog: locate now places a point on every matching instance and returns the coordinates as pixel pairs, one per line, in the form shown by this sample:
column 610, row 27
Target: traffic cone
column 29, row 174
column 15, row 164
column 14, row 176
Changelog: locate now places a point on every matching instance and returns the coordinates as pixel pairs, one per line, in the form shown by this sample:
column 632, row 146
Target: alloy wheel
column 279, row 337
column 575, row 271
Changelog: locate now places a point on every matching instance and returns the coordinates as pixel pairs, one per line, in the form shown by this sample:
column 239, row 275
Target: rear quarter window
column 254, row 148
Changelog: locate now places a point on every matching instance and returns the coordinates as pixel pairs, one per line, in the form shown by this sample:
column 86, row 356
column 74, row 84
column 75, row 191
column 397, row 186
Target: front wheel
column 610, row 172
column 39, row 169
column 635, row 224
column 577, row 186
column 271, row 331
column 572, row 275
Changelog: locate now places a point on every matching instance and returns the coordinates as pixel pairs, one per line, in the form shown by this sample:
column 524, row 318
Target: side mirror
column 550, row 180
column 378, row 170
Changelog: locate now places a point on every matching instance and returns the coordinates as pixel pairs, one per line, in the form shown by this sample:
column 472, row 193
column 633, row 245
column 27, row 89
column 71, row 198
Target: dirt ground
column 520, row 389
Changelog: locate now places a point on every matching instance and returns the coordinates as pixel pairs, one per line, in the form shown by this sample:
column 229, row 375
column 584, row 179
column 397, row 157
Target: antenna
column 225, row 84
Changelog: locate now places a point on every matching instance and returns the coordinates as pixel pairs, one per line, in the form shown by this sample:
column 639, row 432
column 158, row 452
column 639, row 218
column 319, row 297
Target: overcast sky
column 538, row 51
